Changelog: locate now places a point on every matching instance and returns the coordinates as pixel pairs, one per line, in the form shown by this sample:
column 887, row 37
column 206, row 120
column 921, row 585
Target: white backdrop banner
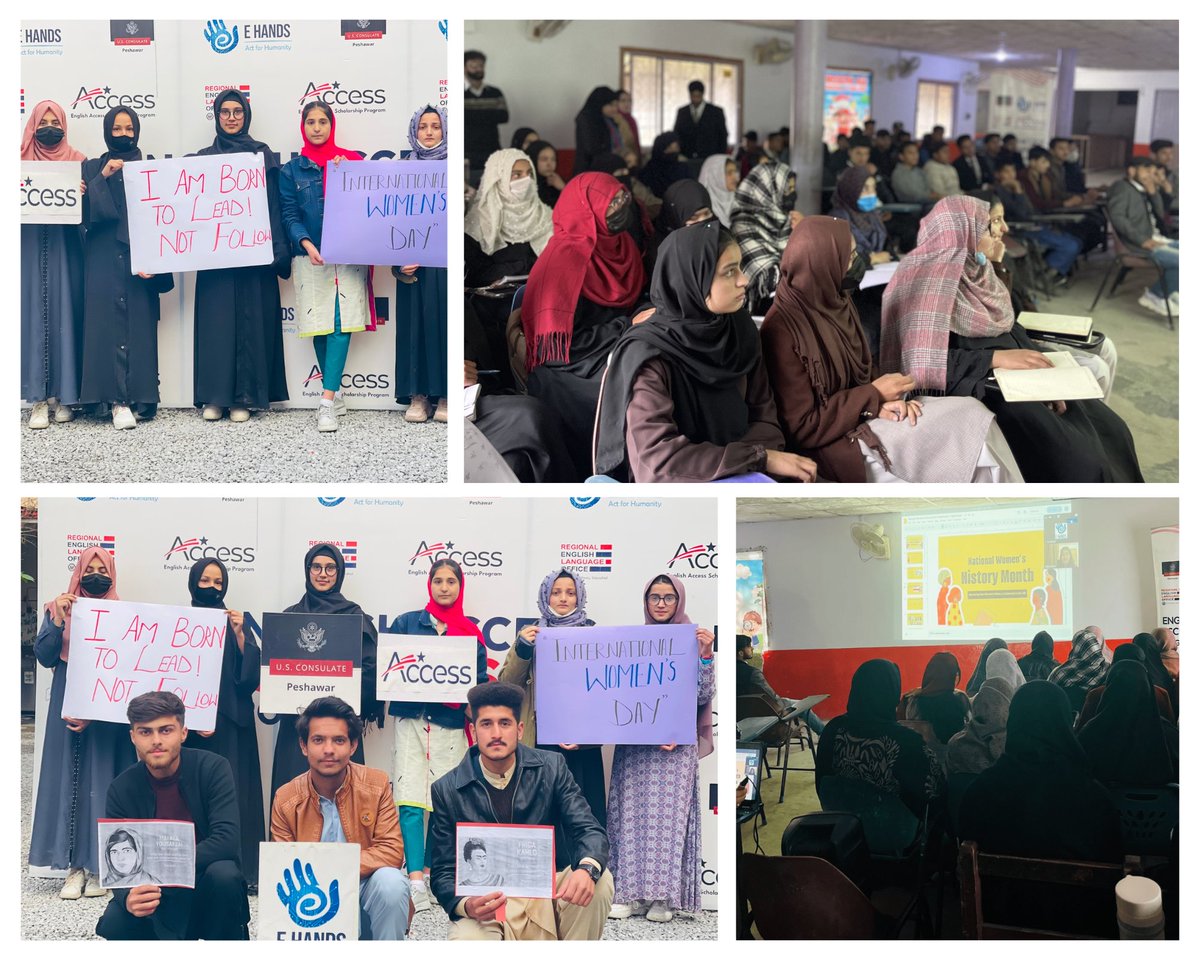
column 505, row 548
column 1164, row 548
column 1021, row 102
column 374, row 77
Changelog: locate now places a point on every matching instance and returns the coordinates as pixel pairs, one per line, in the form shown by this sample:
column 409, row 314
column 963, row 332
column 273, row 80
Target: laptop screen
column 749, row 764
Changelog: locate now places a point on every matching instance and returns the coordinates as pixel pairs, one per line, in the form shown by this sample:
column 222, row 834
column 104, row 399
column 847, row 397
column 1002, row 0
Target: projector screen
column 972, row 574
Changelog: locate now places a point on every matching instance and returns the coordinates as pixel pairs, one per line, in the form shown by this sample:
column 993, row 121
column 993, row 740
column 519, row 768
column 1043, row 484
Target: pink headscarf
column 32, row 150
column 941, row 287
column 74, row 588
column 704, row 722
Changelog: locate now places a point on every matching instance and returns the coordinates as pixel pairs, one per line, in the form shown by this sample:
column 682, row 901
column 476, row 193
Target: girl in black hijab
column 545, row 168
column 121, row 309
column 1127, row 741
column 522, row 137
column 1091, row 703
column 237, row 362
column 596, row 128
column 234, row 737
column 684, row 203
column 866, row 743
column 665, row 165
column 323, row 594
column 1040, row 662
column 685, row 396
column 1040, row 799
column 937, row 700
column 980, row 673
column 1159, row 675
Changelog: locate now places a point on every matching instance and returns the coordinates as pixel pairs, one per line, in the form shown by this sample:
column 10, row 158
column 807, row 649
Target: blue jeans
column 1061, row 249
column 383, row 900
column 412, row 830
column 1166, row 257
column 331, row 350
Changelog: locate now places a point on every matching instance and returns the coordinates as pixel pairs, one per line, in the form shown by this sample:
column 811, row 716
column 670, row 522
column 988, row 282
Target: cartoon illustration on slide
column 1037, row 597
column 1054, row 598
column 752, row 626
column 945, row 579
column 954, row 613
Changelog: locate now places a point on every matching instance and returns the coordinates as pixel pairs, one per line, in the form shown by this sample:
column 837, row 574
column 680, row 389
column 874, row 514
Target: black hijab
column 875, row 692
column 710, row 356
column 194, row 575
column 330, row 601
column 519, row 135
column 1039, row 736
column 1153, row 663
column 116, row 182
column 938, row 700
column 1039, row 663
column 240, row 142
column 1126, row 741
column 663, row 169
column 546, row 193
column 682, row 199
column 980, row 673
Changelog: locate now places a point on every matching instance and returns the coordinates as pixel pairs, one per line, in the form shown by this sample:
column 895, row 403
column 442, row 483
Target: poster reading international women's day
column 134, row 853
column 516, row 860
column 847, row 102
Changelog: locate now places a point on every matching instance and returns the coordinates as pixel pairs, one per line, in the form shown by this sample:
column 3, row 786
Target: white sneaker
column 39, row 419
column 1153, row 302
column 238, row 414
column 326, row 418
column 418, row 409
column 440, row 414
column 72, row 888
column 212, row 412
column 93, row 888
column 659, row 913
column 1173, row 299
column 623, row 911
column 63, row 414
column 420, row 897
column 123, row 418
column 339, row 405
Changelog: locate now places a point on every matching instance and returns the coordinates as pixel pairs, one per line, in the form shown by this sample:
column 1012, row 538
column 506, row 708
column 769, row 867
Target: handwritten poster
column 308, row 891
column 386, row 212
column 306, row 656
column 617, row 684
column 50, row 191
column 120, row 649
column 197, row 213
column 426, row 669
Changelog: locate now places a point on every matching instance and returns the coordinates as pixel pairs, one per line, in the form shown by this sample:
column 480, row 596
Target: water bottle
column 1139, row 909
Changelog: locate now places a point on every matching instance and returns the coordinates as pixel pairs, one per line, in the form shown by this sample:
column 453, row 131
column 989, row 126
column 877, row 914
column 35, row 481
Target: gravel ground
column 281, row 446
column 45, row 917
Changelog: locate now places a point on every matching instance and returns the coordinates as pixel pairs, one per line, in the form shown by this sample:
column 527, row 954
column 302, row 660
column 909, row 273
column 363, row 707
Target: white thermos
column 1139, row 909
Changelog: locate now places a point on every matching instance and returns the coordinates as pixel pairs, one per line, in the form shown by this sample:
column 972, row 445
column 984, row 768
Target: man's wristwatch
column 592, row 871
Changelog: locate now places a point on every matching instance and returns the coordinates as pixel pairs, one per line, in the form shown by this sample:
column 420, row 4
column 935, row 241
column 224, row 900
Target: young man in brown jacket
column 338, row 801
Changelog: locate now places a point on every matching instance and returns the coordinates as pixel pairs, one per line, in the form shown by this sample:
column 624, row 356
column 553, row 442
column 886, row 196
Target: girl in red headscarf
column 430, row 738
column 80, row 758
column 51, row 281
column 332, row 300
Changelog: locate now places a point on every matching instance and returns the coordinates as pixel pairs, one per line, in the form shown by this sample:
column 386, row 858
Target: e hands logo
column 307, row 904
column 584, row 503
column 330, row 501
column 221, row 40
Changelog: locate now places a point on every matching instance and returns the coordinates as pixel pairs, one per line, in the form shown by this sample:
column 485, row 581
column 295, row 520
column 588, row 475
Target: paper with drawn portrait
column 135, row 853
column 515, row 859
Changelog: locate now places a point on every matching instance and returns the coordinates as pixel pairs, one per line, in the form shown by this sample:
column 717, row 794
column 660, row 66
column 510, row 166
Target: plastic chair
column 1149, row 815
column 805, row 898
column 836, row 837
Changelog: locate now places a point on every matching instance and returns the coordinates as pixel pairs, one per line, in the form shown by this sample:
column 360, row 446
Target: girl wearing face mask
column 836, row 406
column 324, row 571
column 764, row 215
column 855, row 201
column 654, row 793
column 665, row 165
column 51, row 286
column 578, row 301
column 430, row 738
column 332, row 300
column 421, row 300
column 234, row 737
column 686, row 397
column 237, row 361
column 120, row 322
column 80, row 758
column 562, row 602
column 545, row 167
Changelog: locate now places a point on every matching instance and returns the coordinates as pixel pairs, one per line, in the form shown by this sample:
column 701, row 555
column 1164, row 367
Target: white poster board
column 418, row 669
column 138, row 852
column 1164, row 547
column 308, row 891
column 50, row 191
column 121, row 649
column 197, row 213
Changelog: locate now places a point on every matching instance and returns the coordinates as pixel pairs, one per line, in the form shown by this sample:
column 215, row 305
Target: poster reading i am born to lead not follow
column 310, row 655
column 121, row 649
column 630, row 685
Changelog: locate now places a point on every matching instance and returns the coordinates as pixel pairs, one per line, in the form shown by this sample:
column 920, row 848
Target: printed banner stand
column 418, row 669
column 50, row 191
column 310, row 655
column 308, row 891
column 1164, row 548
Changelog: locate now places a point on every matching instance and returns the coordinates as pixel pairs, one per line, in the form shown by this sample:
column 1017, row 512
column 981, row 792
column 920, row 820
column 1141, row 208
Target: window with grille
column 657, row 80
column 935, row 105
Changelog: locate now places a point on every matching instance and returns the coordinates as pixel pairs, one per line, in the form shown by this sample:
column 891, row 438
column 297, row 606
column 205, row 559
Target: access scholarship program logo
column 57, row 198
column 185, row 551
column 586, row 557
column 487, row 563
column 347, row 99
column 694, row 561
column 92, row 101
column 78, row 542
column 131, row 35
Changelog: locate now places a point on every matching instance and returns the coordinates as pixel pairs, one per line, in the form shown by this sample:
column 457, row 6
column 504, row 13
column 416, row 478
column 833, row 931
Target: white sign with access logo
column 423, row 669
column 308, row 891
column 50, row 191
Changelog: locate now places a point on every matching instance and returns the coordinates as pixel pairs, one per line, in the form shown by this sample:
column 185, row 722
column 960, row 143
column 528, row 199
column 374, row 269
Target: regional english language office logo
column 587, row 557
column 78, row 542
column 312, row 638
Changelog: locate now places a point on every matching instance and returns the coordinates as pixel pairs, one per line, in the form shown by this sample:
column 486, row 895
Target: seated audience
column 339, row 801
column 523, row 138
column 545, row 166
column 507, row 225
column 1128, row 741
column 932, row 142
column 751, row 682
column 1002, row 665
column 171, row 782
column 940, row 175
column 1067, row 174
column 684, row 203
column 1010, row 808
column 1046, row 196
column 866, row 743
column 979, row 674
column 936, row 700
column 763, row 217
column 1010, row 153
column 596, row 129
column 908, row 180
column 1132, row 215
column 882, row 155
column 665, row 166
column 720, row 177
column 860, row 151
column 971, row 175
column 990, row 158
column 980, row 743
column 502, row 781
column 855, row 201
column 1086, row 666
column 1124, row 651
column 626, row 170
column 747, row 153
column 1061, row 249
column 1039, row 663
column 685, row 397
column 948, row 322
column 834, row 407
column 1162, row 660
column 1163, row 153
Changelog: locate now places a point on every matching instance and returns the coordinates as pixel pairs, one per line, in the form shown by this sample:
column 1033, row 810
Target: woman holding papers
column 654, row 795
column 836, row 407
column 332, row 300
column 80, row 758
column 51, row 285
column 234, row 737
column 430, row 738
column 948, row 324
column 562, row 601
column 421, row 300
column 120, row 317
column 237, row 362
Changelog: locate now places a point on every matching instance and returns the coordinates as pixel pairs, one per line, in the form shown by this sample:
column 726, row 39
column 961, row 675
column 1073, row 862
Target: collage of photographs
column 922, row 253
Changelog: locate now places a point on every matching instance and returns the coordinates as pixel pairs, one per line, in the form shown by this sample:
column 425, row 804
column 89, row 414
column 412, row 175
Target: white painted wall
column 815, row 579
column 1145, row 82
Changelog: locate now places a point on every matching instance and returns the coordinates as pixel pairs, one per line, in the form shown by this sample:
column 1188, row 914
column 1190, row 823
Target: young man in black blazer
column 701, row 126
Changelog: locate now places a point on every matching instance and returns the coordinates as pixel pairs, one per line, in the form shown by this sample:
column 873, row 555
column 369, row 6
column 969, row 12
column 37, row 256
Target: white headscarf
column 498, row 218
column 712, row 176
column 1002, row 664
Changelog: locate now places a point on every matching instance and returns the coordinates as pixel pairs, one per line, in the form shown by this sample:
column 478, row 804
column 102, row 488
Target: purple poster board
column 617, row 684
column 385, row 212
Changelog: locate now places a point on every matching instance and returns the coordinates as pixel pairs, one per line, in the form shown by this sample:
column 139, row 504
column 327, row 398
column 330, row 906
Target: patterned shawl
column 762, row 226
column 497, row 218
column 1087, row 665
